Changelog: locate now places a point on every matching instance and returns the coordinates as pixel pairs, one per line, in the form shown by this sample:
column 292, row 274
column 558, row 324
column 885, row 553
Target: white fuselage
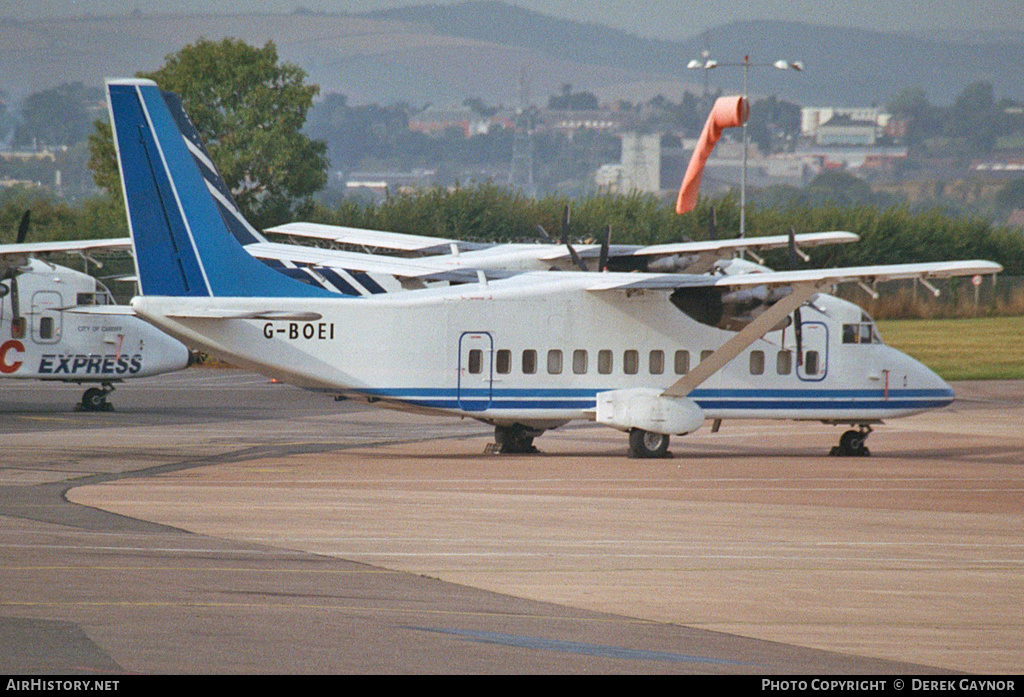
column 52, row 343
column 537, row 349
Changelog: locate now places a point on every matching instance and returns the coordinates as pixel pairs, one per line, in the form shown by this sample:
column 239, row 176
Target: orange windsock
column 728, row 112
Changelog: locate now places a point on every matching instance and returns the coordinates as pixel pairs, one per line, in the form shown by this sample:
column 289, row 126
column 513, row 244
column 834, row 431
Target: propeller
column 23, row 226
column 712, row 224
column 606, row 243
column 13, row 272
column 793, row 255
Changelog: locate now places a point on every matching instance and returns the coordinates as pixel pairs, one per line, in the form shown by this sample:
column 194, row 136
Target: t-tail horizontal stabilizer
column 182, row 245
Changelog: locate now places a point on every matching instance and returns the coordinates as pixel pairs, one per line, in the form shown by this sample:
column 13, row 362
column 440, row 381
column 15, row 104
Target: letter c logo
column 6, row 367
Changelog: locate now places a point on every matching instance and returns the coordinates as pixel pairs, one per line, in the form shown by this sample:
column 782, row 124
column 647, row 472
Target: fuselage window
column 46, row 327
column 784, row 363
column 704, row 355
column 579, row 362
column 529, row 362
column 631, row 362
column 811, row 363
column 682, row 362
column 656, row 362
column 554, row 361
column 503, row 361
column 757, row 362
column 18, row 328
column 605, row 362
column 476, row 361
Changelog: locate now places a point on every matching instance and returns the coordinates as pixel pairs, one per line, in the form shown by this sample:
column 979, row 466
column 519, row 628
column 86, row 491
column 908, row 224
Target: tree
column 249, row 110
column 774, row 124
column 1010, row 197
column 57, row 116
column 573, row 101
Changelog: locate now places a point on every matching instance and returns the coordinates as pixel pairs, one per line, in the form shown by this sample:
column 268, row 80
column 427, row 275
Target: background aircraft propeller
column 12, row 272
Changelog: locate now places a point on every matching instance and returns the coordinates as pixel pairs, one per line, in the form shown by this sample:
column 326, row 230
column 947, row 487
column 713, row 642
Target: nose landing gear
column 851, row 443
column 95, row 398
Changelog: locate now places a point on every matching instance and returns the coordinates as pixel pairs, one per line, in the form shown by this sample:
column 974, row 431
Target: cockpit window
column 861, row 333
column 98, row 298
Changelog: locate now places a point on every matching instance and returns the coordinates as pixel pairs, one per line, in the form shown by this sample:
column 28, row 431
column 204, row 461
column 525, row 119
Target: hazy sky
column 670, row 19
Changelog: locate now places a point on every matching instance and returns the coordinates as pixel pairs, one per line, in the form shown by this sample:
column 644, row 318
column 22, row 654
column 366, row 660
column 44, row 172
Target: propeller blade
column 606, row 243
column 23, row 226
column 565, row 240
column 544, row 233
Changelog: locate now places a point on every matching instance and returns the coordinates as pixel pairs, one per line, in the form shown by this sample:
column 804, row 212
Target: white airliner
column 652, row 354
column 56, row 324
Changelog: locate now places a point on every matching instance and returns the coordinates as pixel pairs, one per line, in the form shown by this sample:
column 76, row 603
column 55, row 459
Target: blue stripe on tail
column 182, row 246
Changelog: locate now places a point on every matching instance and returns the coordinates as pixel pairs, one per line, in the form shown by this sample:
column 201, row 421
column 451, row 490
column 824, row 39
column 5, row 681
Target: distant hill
column 444, row 54
column 844, row 66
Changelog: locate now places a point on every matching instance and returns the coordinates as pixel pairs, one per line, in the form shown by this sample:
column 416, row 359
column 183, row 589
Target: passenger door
column 813, row 365
column 476, row 371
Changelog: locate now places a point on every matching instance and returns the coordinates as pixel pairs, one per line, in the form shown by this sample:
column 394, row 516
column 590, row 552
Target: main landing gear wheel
column 95, row 399
column 851, row 443
column 645, row 444
column 515, row 439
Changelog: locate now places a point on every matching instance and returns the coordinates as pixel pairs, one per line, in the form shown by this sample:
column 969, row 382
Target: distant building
column 830, row 126
column 435, row 121
column 641, row 162
column 572, row 121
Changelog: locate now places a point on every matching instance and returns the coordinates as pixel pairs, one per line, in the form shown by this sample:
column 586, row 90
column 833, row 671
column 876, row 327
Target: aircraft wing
column 806, row 239
column 815, row 277
column 69, row 246
column 354, row 261
column 380, row 239
column 804, row 284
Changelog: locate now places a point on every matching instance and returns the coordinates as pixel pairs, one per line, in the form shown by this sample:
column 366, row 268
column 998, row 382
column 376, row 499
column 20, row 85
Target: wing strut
column 802, row 292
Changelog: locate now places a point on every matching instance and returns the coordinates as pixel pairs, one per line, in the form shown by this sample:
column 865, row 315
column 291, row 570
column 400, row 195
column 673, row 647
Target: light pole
column 747, row 64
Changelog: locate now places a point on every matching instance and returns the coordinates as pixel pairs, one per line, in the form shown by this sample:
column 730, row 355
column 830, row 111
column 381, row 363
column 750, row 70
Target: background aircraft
column 60, row 324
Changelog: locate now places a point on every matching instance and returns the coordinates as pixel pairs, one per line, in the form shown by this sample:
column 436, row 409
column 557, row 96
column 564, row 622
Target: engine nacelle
column 649, row 410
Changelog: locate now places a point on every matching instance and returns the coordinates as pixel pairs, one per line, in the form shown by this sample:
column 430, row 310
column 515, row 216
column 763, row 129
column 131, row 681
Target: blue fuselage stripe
column 708, row 399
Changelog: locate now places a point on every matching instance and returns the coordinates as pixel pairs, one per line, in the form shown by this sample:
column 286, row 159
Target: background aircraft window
column 46, row 327
column 631, row 362
column 657, row 362
column 811, row 363
column 604, row 362
column 476, row 360
column 579, row 361
column 784, row 363
column 682, row 362
column 503, row 361
column 93, row 299
column 529, row 362
column 757, row 362
column 554, row 361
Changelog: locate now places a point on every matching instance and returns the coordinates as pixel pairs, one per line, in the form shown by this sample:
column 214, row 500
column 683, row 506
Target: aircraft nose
column 924, row 384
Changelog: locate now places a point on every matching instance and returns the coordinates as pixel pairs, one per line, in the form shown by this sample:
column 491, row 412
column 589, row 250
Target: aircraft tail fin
column 183, row 247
